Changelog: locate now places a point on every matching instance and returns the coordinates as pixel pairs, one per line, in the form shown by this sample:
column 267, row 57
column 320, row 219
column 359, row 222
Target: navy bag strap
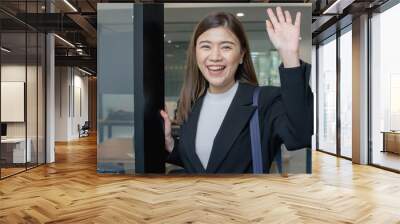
column 255, row 136
column 255, row 139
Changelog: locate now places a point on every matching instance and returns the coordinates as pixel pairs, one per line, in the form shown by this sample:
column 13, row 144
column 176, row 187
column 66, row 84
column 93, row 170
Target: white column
column 50, row 100
column 360, row 90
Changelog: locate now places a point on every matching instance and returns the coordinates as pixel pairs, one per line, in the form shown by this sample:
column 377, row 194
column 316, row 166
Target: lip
column 216, row 68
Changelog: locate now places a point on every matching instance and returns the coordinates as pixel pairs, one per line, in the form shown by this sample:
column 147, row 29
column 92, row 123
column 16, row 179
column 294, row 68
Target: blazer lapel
column 236, row 118
column 189, row 131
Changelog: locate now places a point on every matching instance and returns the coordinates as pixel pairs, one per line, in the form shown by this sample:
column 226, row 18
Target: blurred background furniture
column 391, row 141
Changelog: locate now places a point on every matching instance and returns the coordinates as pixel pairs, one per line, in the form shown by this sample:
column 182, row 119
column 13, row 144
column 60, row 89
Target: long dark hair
column 194, row 84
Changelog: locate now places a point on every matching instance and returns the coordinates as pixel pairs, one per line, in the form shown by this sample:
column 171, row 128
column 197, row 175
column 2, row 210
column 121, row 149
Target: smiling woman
column 220, row 86
column 218, row 55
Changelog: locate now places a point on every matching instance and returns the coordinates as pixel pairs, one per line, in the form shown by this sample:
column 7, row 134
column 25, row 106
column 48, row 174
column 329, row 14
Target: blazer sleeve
column 174, row 157
column 293, row 107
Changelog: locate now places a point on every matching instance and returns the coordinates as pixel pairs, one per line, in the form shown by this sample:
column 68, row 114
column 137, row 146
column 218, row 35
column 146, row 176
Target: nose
column 215, row 55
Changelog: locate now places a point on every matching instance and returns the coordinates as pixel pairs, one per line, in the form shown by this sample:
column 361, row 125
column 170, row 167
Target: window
column 346, row 93
column 327, row 96
column 385, row 89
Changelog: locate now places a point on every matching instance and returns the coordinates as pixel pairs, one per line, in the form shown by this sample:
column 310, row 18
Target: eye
column 226, row 47
column 205, row 47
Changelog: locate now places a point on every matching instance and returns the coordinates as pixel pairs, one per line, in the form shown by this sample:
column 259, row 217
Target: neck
column 222, row 89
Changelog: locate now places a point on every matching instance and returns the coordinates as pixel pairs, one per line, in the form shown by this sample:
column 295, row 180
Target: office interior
column 40, row 62
column 49, row 79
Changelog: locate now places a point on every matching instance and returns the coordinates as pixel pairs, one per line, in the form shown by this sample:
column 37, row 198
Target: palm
column 283, row 34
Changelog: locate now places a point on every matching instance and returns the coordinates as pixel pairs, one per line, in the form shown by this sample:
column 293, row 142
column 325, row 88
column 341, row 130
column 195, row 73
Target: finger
column 298, row 19
column 272, row 18
column 270, row 28
column 288, row 17
column 163, row 113
column 166, row 118
column 279, row 13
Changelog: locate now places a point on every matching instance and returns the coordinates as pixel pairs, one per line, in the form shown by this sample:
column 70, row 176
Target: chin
column 216, row 82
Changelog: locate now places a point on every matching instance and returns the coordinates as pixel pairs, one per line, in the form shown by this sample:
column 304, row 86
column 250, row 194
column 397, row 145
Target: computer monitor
column 3, row 129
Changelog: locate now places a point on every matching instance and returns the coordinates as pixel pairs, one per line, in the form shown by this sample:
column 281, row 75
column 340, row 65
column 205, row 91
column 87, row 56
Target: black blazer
column 286, row 117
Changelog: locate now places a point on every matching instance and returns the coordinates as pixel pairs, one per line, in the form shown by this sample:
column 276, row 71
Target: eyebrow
column 222, row 42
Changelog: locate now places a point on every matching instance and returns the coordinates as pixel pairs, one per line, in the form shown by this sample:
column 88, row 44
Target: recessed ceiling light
column 64, row 40
column 84, row 71
column 70, row 5
column 169, row 41
column 5, row 50
column 240, row 14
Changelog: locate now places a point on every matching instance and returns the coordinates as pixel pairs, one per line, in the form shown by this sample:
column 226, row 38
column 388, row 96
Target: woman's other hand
column 169, row 141
column 285, row 35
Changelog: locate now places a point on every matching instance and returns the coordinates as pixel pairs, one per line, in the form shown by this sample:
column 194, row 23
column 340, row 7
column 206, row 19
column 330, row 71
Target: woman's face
column 218, row 55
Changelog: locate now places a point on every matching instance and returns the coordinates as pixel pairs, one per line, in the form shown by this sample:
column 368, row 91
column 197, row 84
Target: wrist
column 169, row 143
column 290, row 58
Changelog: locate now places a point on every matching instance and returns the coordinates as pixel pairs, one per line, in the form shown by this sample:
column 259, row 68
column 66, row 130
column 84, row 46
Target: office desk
column 391, row 141
column 15, row 148
column 103, row 124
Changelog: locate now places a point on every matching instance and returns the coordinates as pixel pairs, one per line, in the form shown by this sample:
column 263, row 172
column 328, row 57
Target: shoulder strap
column 256, row 139
column 255, row 136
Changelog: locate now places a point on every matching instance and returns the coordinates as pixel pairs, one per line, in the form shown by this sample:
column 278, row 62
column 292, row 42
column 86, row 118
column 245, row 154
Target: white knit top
column 213, row 111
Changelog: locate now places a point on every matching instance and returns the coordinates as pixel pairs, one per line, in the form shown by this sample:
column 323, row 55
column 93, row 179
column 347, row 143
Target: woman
column 216, row 98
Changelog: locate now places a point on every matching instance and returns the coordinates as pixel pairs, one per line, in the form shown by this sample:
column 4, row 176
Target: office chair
column 84, row 130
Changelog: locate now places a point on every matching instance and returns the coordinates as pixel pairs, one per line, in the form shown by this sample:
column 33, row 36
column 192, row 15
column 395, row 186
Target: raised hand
column 169, row 141
column 284, row 35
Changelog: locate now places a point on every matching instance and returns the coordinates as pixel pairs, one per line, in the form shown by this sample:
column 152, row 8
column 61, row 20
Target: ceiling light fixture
column 70, row 5
column 84, row 71
column 240, row 14
column 169, row 41
column 65, row 41
column 337, row 7
column 5, row 50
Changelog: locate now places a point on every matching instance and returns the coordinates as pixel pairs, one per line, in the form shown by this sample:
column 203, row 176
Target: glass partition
column 327, row 96
column 115, row 152
column 31, row 99
column 346, row 93
column 14, row 152
column 22, row 87
column 385, row 89
column 178, row 29
column 41, row 87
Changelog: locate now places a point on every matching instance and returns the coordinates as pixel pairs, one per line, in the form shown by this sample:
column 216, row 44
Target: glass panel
column 31, row 99
column 327, row 96
column 346, row 94
column 31, row 86
column 178, row 29
column 13, row 87
column 41, row 98
column 115, row 89
column 385, row 85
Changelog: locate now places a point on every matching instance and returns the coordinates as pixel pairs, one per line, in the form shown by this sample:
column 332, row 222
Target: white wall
column 15, row 73
column 70, row 83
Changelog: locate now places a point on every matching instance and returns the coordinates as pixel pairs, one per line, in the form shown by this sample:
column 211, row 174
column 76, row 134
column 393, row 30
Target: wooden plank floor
column 70, row 191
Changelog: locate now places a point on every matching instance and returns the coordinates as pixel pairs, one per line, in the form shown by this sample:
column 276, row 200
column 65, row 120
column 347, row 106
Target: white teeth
column 216, row 67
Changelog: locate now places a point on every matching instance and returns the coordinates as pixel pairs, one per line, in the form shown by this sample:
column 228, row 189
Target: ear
column 241, row 57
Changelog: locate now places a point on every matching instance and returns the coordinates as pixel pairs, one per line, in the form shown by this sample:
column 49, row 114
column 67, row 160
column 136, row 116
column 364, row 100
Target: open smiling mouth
column 215, row 69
